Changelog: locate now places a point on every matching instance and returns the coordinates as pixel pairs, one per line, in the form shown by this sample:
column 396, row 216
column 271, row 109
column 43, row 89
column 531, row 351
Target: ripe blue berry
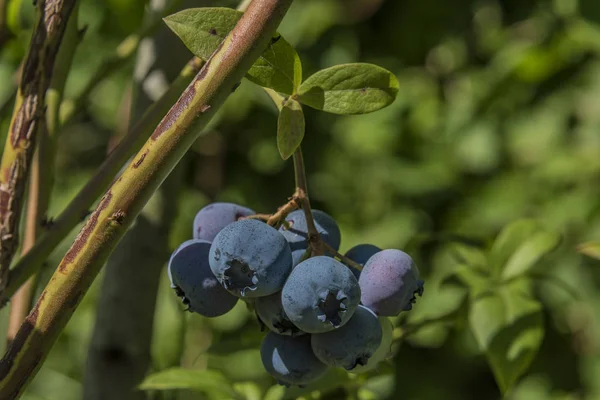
column 320, row 295
column 383, row 351
column 250, row 258
column 195, row 283
column 360, row 254
column 211, row 219
column 290, row 360
column 296, row 232
column 389, row 283
column 270, row 311
column 352, row 344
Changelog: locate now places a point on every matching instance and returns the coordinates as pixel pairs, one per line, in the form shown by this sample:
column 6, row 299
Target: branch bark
column 28, row 115
column 41, row 180
column 130, row 192
column 119, row 352
column 78, row 208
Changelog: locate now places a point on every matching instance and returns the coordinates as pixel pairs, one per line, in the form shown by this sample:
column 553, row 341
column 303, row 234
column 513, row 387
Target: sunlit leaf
column 203, row 29
column 358, row 88
column 211, row 382
column 290, row 128
column 590, row 249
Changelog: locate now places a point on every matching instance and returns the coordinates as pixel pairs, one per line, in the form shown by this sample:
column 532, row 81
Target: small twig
column 343, row 259
column 283, row 211
column 122, row 54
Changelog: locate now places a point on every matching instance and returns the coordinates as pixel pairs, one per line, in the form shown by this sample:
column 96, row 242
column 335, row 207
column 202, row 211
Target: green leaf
column 470, row 255
column 470, row 278
column 275, row 392
column 210, row 382
column 349, row 89
column 590, row 249
column 290, row 127
column 519, row 246
column 508, row 327
column 203, row 29
column 529, row 253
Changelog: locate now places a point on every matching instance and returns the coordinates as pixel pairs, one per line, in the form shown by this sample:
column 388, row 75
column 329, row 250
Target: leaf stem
column 121, row 204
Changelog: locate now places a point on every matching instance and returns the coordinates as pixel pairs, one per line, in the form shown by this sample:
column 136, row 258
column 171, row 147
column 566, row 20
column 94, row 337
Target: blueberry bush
column 299, row 199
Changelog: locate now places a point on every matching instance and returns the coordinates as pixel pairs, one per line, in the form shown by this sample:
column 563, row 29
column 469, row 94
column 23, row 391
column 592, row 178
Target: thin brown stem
column 314, row 239
column 343, row 259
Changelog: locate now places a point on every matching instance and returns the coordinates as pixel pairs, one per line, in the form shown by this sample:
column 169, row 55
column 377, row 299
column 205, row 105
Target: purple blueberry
column 250, row 258
column 195, row 283
column 389, row 282
column 320, row 295
column 352, row 344
column 296, row 232
column 210, row 220
column 270, row 311
column 290, row 359
column 360, row 254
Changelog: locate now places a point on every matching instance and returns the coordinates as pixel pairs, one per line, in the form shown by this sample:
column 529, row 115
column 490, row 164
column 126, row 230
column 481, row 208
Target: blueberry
column 270, row 311
column 195, row 283
column 296, row 232
column 389, row 283
column 352, row 344
column 250, row 258
column 211, row 219
column 383, row 351
column 320, row 295
column 360, row 254
column 290, row 360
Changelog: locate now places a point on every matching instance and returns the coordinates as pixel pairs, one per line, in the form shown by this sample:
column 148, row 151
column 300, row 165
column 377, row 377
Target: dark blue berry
column 296, row 232
column 290, row 359
column 320, row 295
column 352, row 344
column 210, row 220
column 270, row 311
column 195, row 283
column 250, row 258
column 360, row 254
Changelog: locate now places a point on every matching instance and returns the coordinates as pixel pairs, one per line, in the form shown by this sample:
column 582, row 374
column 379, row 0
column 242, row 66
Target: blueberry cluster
column 320, row 313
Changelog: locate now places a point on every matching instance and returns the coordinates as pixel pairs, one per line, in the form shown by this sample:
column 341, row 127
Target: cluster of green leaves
column 503, row 313
column 357, row 88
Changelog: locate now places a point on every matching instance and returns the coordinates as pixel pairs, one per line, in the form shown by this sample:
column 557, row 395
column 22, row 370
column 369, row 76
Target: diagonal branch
column 130, row 192
column 31, row 262
column 28, row 115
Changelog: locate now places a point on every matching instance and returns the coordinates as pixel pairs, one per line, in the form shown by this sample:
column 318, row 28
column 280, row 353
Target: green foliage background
column 497, row 119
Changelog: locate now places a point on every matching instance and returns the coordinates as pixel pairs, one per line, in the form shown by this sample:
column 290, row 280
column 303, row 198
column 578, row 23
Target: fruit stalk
column 314, row 239
column 129, row 193
column 28, row 116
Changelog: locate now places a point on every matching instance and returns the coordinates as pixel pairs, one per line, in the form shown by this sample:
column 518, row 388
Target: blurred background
column 497, row 118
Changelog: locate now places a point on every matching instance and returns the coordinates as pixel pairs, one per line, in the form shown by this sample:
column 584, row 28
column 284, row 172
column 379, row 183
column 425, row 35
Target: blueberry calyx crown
column 420, row 289
column 239, row 276
column 331, row 304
